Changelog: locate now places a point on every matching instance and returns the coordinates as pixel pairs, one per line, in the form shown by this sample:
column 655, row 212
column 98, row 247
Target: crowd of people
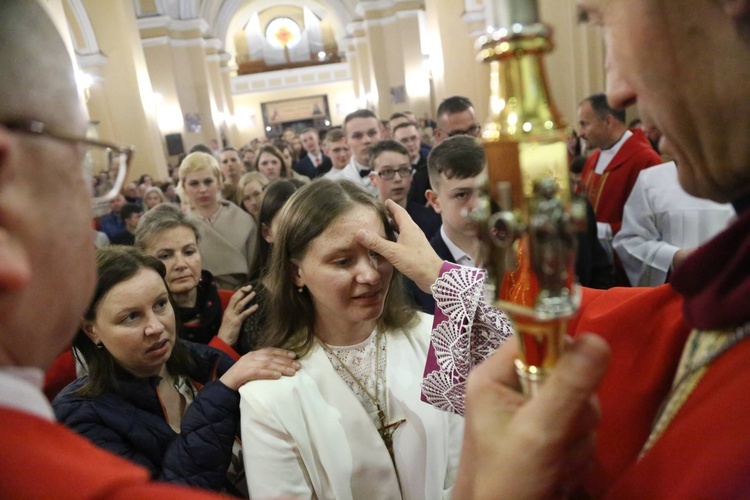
column 272, row 325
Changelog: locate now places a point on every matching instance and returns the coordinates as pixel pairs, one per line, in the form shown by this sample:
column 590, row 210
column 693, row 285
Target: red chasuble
column 705, row 450
column 609, row 191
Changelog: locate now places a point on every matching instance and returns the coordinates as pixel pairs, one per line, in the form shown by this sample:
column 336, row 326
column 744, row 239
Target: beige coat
column 228, row 246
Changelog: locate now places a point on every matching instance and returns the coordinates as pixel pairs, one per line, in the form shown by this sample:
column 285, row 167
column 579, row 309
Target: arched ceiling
column 234, row 14
column 224, row 17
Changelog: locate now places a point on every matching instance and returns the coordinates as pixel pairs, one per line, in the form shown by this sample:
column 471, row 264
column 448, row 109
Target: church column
column 368, row 91
column 158, row 52
column 226, row 85
column 416, row 72
column 123, row 101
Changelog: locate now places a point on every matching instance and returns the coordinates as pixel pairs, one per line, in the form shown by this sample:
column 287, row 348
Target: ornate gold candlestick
column 532, row 238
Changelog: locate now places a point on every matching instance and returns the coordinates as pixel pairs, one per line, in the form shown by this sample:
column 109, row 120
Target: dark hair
column 455, row 104
column 129, row 209
column 282, row 145
column 230, row 148
column 381, row 147
column 310, row 129
column 275, row 196
column 460, row 156
column 116, row 264
column 306, row 215
column 200, row 148
column 397, row 115
column 601, row 108
column 404, row 125
column 360, row 113
column 286, row 170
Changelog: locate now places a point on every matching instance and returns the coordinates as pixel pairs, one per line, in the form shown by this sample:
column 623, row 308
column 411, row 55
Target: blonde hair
column 199, row 161
column 247, row 179
column 159, row 193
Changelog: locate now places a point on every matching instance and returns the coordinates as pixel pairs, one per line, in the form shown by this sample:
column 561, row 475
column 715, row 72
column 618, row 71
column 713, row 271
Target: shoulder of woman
column 211, row 363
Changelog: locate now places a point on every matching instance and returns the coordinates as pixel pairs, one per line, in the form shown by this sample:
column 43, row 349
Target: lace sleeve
column 466, row 330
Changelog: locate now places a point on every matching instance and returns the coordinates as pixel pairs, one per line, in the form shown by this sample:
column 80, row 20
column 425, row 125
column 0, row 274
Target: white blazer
column 308, row 436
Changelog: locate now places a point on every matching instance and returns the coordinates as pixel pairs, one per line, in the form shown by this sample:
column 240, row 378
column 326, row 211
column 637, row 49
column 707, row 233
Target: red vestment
column 609, row 190
column 43, row 459
column 705, row 450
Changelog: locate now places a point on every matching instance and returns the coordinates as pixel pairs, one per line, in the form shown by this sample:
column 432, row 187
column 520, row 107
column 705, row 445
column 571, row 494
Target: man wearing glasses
column 455, row 116
column 392, row 174
column 47, row 271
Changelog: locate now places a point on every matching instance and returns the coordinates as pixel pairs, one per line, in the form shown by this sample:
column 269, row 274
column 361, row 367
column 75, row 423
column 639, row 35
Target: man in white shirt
column 314, row 163
column 338, row 151
column 361, row 130
column 662, row 224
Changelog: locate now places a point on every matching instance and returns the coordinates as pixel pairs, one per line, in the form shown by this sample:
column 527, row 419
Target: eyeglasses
column 101, row 157
column 473, row 131
column 389, row 174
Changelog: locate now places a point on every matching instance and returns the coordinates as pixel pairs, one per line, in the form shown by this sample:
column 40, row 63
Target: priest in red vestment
column 47, row 268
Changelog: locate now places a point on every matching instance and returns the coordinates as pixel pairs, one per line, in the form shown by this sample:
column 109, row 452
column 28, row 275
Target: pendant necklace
column 385, row 430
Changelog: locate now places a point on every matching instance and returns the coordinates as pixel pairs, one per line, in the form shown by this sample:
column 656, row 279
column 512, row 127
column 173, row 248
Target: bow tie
column 364, row 172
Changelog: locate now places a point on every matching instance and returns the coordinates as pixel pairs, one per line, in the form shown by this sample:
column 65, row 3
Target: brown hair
column 286, row 170
column 305, row 216
column 114, row 265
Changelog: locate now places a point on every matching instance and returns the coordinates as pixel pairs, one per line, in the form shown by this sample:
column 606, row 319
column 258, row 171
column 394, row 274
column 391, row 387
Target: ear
column 433, row 200
column 15, row 262
column 90, row 331
column 265, row 231
column 440, row 136
column 299, row 281
column 374, row 178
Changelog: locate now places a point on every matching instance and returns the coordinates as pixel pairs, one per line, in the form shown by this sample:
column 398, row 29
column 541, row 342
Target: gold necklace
column 386, row 430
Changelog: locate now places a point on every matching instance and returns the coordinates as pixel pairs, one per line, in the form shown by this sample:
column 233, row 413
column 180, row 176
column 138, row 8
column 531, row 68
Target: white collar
column 21, row 389
column 459, row 255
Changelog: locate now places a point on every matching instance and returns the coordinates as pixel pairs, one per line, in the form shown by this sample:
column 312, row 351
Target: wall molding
column 290, row 78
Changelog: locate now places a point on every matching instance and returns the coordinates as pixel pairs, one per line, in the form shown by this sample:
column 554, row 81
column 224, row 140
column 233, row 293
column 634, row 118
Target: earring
column 100, row 346
column 300, row 289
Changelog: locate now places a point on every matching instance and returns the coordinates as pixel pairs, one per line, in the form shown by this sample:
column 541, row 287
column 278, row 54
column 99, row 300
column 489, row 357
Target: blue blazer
column 306, row 167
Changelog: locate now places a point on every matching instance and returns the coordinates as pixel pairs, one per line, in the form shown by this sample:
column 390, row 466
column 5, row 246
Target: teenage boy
column 454, row 166
column 392, row 175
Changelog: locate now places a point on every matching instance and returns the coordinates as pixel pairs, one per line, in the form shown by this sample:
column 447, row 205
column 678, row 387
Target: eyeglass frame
column 476, row 126
column 39, row 129
column 393, row 173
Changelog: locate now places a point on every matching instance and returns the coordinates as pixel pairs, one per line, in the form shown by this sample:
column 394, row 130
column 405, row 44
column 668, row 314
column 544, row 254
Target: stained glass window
column 283, row 32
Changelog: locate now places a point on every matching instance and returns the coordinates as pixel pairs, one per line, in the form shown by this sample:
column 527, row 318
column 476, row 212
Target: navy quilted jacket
column 133, row 424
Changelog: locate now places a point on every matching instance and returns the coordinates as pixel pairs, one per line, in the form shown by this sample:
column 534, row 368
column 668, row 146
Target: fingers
column 242, row 304
column 247, row 312
column 573, row 382
column 241, row 293
column 399, row 213
column 268, row 363
column 376, row 243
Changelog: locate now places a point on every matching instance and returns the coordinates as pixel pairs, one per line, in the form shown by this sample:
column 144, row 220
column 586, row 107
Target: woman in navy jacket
column 161, row 402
